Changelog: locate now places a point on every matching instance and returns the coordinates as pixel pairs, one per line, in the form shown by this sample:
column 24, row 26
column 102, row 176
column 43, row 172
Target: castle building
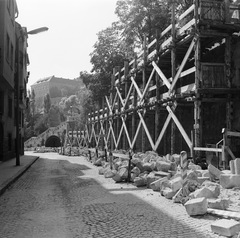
column 54, row 86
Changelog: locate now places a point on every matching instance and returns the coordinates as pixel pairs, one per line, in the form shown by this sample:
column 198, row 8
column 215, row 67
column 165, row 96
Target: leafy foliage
column 54, row 118
column 47, row 103
column 141, row 17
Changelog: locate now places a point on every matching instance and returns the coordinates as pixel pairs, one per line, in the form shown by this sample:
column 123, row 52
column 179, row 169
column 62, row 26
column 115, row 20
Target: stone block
column 151, row 178
column 140, row 181
column 201, row 180
column 163, row 166
column 147, row 167
column 176, row 184
column 163, row 174
column 123, row 172
column 101, row 170
column 140, row 166
column 191, row 174
column 117, row 178
column 213, row 187
column 225, row 227
column 230, row 180
column 215, row 172
column 157, row 185
column 168, row 193
column 193, row 166
column 136, row 171
column 209, row 190
column 237, row 166
column 232, row 166
column 109, row 173
column 197, row 206
column 221, row 204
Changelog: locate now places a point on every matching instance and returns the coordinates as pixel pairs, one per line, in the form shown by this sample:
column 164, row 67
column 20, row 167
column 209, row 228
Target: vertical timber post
column 173, row 61
column 118, row 69
column 143, row 86
column 126, row 66
column 228, row 82
column 133, row 126
column 197, row 102
column 111, row 104
column 157, row 106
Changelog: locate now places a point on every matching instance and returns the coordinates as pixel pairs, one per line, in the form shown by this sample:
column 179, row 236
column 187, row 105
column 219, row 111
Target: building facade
column 12, row 73
column 56, row 87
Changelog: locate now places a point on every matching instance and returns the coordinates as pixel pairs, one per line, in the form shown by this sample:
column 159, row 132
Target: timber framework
column 182, row 92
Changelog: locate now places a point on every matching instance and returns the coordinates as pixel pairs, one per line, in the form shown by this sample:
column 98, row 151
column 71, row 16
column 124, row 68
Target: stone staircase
column 41, row 139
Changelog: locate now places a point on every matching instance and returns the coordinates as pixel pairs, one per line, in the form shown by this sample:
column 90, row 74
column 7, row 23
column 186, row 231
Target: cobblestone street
column 64, row 197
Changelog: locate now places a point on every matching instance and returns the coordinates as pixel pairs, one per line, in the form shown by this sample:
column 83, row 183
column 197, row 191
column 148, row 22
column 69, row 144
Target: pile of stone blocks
column 232, row 179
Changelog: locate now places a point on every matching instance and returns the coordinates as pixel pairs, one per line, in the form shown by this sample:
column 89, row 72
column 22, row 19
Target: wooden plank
column 182, row 66
column 164, row 128
column 185, row 27
column 122, row 156
column 224, row 213
column 119, row 136
column 188, row 11
column 128, row 95
column 181, row 129
column 232, row 133
column 147, row 85
column 109, row 106
column 164, row 32
column 218, row 150
column 152, row 43
column 136, row 134
column 146, row 130
column 111, row 131
column 161, row 74
column 136, row 87
column 126, row 131
column 120, row 96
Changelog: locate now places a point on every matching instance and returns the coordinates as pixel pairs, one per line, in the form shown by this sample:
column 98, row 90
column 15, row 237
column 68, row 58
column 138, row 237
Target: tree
column 141, row 17
column 47, row 103
column 107, row 54
column 41, row 124
column 54, row 116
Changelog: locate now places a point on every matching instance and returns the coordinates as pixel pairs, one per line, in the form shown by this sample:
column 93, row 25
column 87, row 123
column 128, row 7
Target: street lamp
column 22, row 34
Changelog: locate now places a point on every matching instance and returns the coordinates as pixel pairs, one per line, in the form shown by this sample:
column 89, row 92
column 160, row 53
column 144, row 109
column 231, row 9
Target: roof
column 44, row 80
column 55, row 79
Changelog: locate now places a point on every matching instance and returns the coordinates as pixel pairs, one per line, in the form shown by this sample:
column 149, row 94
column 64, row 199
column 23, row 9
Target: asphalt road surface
column 65, row 197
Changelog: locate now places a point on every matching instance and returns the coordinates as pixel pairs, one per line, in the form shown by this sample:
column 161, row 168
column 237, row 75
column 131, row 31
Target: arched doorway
column 53, row 141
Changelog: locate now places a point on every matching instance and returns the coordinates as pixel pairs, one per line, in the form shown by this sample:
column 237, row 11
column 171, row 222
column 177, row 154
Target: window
column 10, row 107
column 9, row 141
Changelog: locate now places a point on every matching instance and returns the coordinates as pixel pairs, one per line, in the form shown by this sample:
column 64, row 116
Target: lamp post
column 22, row 34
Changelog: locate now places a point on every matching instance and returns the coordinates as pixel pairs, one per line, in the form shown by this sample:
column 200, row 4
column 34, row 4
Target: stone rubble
column 163, row 174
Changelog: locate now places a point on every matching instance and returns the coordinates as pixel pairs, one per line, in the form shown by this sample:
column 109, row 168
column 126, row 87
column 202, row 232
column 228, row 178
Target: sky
column 73, row 25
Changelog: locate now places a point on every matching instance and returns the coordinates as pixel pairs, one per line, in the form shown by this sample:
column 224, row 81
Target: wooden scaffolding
column 180, row 91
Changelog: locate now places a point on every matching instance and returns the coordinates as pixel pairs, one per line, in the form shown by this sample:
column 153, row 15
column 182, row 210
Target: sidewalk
column 9, row 172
